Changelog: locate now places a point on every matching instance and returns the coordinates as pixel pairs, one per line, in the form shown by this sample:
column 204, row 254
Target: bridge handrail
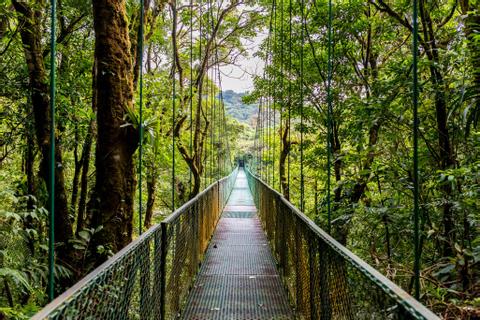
column 152, row 256
column 413, row 308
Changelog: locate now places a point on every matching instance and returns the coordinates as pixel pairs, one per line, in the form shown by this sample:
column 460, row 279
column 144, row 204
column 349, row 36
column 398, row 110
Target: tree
column 117, row 139
column 30, row 21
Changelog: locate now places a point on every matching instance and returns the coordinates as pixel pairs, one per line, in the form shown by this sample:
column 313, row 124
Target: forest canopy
column 344, row 104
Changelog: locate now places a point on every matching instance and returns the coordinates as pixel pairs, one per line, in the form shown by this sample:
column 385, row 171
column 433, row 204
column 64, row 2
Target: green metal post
column 173, row 112
column 274, row 112
column 140, row 150
column 415, row 153
column 51, row 236
column 191, row 92
column 302, row 182
column 282, row 102
column 144, row 276
column 289, row 92
column 329, row 115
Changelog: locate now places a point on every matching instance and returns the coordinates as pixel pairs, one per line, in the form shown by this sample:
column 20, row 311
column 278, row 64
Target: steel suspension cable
column 274, row 109
column 207, row 138
column 214, row 126
column 200, row 94
column 282, row 102
column 263, row 111
column 261, row 120
column 256, row 142
column 191, row 91
column 289, row 93
column 416, row 182
column 51, row 200
column 212, row 102
column 269, row 95
column 329, row 114
column 140, row 139
column 260, row 141
column 217, row 76
column 302, row 37
column 222, row 104
column 263, row 140
column 173, row 103
column 212, row 98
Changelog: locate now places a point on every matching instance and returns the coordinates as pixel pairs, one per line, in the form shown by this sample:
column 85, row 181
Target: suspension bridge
column 238, row 250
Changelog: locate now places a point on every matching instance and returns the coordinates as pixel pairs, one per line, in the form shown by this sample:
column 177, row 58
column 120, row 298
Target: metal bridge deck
column 238, row 279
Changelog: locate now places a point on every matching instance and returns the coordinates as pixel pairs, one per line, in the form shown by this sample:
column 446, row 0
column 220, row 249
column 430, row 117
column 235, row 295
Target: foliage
column 371, row 141
column 23, row 217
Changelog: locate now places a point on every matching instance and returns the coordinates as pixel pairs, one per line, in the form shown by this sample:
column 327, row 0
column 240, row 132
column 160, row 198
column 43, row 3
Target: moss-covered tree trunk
column 151, row 189
column 285, row 151
column 30, row 20
column 116, row 140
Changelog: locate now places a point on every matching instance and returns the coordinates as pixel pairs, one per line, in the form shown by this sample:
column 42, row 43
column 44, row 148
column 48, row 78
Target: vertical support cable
column 269, row 95
column 211, row 94
column 209, row 112
column 191, row 90
column 174, row 93
column 415, row 153
column 289, row 92
column 282, row 101
column 302, row 36
column 222, row 107
column 214, row 116
column 51, row 231
column 263, row 109
column 262, row 156
column 329, row 114
column 140, row 139
column 200, row 96
column 256, row 146
column 274, row 109
column 217, row 75
column 207, row 88
column 211, row 125
column 260, row 151
column 260, row 138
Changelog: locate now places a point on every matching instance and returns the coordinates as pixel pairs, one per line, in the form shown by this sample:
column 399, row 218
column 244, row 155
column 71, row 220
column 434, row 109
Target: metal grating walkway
column 238, row 279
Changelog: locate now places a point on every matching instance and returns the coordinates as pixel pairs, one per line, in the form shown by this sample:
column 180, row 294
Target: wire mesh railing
column 151, row 277
column 324, row 279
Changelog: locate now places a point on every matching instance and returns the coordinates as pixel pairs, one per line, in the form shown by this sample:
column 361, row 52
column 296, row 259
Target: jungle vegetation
column 371, row 125
column 97, row 132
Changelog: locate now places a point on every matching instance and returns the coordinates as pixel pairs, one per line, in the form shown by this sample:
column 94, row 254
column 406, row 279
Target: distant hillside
column 235, row 107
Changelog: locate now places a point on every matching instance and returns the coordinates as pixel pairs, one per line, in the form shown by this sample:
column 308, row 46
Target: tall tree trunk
column 286, row 144
column 30, row 19
column 151, row 188
column 85, row 210
column 76, row 174
column 447, row 157
column 31, row 190
column 82, row 220
column 116, row 143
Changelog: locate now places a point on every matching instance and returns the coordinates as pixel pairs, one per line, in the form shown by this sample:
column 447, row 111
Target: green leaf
column 78, row 247
column 16, row 276
column 445, row 270
column 85, row 235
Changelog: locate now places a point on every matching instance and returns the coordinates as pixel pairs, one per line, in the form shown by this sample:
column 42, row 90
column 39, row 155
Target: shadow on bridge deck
column 238, row 278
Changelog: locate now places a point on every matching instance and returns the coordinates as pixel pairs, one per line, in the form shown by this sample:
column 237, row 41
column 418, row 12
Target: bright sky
column 239, row 77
